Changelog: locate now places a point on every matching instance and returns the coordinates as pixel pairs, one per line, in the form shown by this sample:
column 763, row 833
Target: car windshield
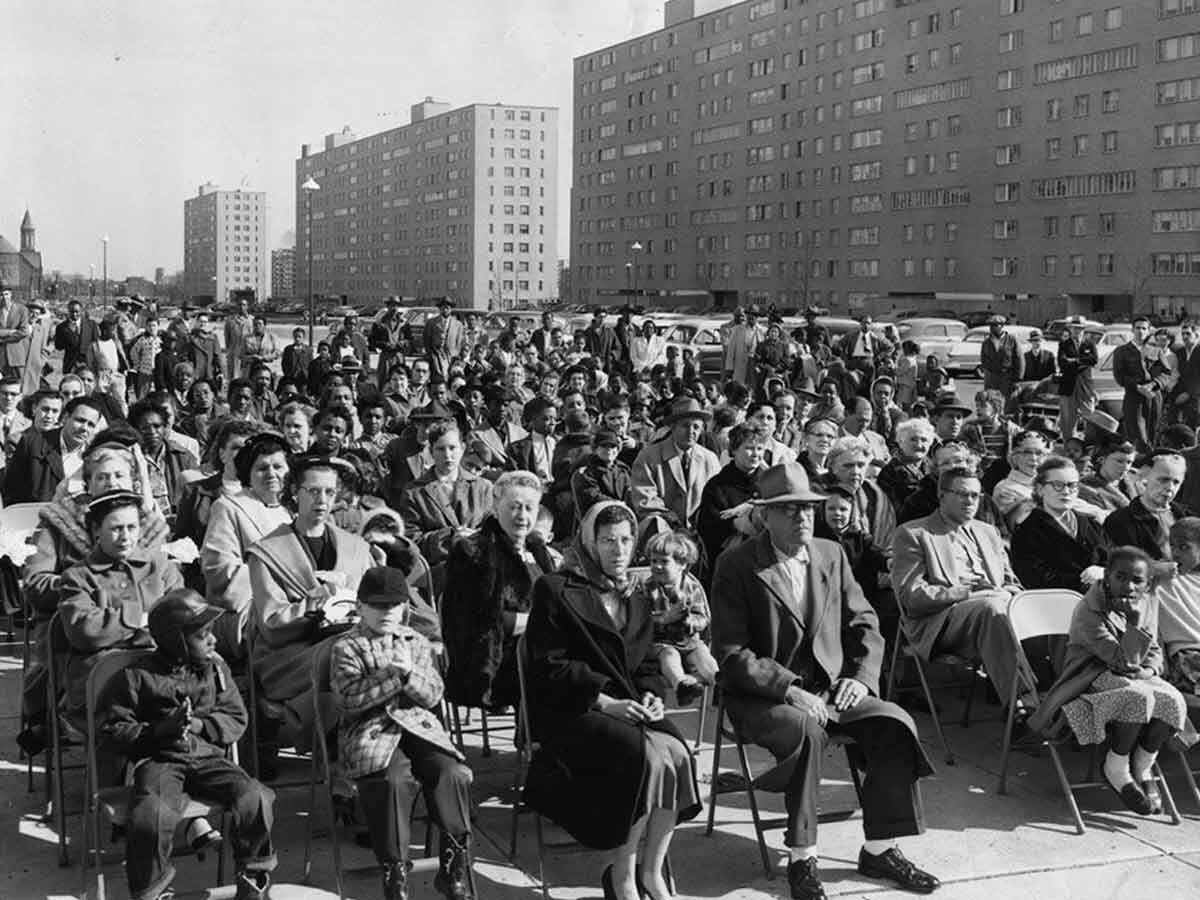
column 975, row 337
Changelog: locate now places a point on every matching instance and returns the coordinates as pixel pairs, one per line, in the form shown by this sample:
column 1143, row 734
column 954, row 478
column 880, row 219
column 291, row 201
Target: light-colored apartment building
column 224, row 244
column 813, row 151
column 283, row 273
column 459, row 203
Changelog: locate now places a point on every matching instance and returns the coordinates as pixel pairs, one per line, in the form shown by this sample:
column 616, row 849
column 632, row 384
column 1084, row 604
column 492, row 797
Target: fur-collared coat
column 487, row 584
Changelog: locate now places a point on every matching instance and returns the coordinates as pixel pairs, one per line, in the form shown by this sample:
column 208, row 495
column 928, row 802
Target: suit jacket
column 1068, row 366
column 601, row 343
column 658, row 483
column 35, row 469
column 1004, row 360
column 15, row 348
column 1133, row 365
column 1136, row 526
column 455, row 336
column 1038, row 366
column 1189, row 372
column 74, row 344
column 432, row 523
column 924, row 570
column 875, row 344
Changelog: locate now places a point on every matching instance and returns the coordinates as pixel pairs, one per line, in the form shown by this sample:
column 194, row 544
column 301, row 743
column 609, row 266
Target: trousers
column 979, row 629
column 160, row 794
column 387, row 797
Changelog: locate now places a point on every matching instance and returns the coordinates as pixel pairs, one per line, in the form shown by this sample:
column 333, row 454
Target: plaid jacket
column 378, row 704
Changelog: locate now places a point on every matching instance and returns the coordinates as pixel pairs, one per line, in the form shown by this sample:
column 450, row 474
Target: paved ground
column 982, row 845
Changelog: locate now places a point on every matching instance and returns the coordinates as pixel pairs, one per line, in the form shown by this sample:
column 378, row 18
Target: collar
column 1020, row 478
column 99, row 561
column 801, row 557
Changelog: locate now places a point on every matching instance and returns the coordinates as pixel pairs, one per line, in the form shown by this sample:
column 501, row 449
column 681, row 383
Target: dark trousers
column 387, row 797
column 1139, row 418
column 157, row 805
column 886, row 752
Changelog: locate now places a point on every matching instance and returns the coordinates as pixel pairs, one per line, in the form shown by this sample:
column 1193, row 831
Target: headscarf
column 583, row 558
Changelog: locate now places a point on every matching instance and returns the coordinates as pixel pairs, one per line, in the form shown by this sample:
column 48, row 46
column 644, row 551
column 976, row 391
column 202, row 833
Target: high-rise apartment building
column 224, row 245
column 283, row 272
column 460, row 203
column 814, row 151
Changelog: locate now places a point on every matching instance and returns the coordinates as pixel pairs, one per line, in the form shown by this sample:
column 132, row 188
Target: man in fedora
column 800, row 653
column 947, row 416
column 387, row 339
column 1000, row 357
column 669, row 475
column 444, row 338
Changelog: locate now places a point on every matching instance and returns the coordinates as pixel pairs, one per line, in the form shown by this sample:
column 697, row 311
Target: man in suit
column 535, row 452
column 1138, row 367
column 387, row 339
column 14, row 334
column 237, row 328
column 1146, row 522
column 859, row 351
column 74, row 335
column 1039, row 362
column 600, row 340
column 543, row 338
column 669, row 475
column 444, row 338
column 1000, row 358
column 42, row 460
column 1070, row 360
column 1184, row 399
column 800, row 654
column 953, row 581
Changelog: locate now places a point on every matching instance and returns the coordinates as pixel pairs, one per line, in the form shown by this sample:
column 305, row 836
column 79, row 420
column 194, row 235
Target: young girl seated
column 1111, row 687
column 680, row 612
column 1179, row 613
column 867, row 559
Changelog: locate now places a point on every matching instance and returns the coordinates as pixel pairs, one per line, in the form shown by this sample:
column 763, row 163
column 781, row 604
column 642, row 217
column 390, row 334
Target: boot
column 453, row 879
column 395, row 881
column 253, row 885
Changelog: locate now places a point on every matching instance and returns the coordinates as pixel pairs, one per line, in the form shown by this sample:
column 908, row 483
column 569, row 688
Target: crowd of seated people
column 641, row 533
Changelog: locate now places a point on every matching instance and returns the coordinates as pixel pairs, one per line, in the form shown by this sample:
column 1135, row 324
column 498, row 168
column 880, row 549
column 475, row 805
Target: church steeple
column 28, row 234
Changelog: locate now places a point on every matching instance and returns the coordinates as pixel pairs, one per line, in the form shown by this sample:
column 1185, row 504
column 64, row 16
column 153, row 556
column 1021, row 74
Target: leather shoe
column 804, row 880
column 894, row 866
column 1132, row 796
column 1150, row 789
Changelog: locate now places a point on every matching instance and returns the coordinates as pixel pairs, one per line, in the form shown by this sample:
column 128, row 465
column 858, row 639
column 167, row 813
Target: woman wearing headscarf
column 609, row 769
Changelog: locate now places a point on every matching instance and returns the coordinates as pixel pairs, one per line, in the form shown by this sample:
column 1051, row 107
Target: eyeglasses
column 1030, row 452
column 796, row 508
column 1063, row 486
column 965, row 496
column 827, row 435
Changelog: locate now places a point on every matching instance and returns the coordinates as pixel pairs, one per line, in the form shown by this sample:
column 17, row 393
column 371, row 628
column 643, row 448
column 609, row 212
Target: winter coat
column 1046, row 556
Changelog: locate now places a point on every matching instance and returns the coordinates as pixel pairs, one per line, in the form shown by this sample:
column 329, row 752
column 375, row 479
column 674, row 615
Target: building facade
column 283, row 273
column 224, row 243
column 21, row 269
column 836, row 153
column 460, row 203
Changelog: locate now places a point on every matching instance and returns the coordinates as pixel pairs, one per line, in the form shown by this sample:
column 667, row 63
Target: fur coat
column 487, row 585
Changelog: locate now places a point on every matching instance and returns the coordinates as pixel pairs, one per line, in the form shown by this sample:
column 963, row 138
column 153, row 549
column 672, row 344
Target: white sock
column 795, row 853
column 877, row 847
column 1116, row 769
column 1141, row 762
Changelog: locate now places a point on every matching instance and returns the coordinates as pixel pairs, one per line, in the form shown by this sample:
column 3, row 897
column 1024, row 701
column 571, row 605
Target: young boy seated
column 172, row 714
column 386, row 684
column 680, row 612
column 602, row 476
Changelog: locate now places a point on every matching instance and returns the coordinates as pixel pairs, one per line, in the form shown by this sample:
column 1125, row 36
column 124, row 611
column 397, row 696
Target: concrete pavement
column 983, row 846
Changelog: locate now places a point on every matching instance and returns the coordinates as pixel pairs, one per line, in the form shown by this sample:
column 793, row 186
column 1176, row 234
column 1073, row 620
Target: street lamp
column 635, row 248
column 91, row 281
column 104, row 287
column 309, row 187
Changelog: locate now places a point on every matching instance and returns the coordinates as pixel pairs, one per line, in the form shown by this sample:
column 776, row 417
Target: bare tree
column 1137, row 272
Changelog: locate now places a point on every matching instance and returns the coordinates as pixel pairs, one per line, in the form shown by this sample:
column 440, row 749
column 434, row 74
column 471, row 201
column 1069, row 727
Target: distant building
column 460, row 203
column 283, row 272
column 21, row 270
column 224, row 245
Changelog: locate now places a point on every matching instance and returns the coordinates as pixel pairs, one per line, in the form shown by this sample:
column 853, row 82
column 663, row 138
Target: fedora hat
column 687, row 408
column 785, row 483
column 804, row 388
column 950, row 403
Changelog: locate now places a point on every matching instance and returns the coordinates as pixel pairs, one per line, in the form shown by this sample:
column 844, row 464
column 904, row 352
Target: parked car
column 703, row 337
column 963, row 357
column 1056, row 329
column 528, row 320
column 934, row 336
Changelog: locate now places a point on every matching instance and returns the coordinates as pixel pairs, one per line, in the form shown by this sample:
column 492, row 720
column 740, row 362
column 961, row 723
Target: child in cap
column 172, row 714
column 680, row 612
column 386, row 684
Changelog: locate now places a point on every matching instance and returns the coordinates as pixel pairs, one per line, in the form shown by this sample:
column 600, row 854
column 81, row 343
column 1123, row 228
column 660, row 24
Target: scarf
column 582, row 559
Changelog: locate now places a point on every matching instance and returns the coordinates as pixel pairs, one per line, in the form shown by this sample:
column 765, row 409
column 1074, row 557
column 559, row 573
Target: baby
column 679, row 609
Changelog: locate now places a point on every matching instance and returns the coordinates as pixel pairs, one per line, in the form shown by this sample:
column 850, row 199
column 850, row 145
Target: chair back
column 421, row 576
column 107, row 664
column 523, row 718
column 21, row 518
column 1042, row 612
column 322, row 669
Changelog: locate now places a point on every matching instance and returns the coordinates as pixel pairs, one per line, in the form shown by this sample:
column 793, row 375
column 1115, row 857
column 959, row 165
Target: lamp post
column 104, row 286
column 309, row 187
column 635, row 248
column 91, row 281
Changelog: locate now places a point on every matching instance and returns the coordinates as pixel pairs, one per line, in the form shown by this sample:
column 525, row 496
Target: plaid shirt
column 378, row 703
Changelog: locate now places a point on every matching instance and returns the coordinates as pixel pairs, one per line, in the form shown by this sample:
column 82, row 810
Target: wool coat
column 35, row 468
column 1134, row 525
column 1044, row 555
column 728, row 488
column 432, row 523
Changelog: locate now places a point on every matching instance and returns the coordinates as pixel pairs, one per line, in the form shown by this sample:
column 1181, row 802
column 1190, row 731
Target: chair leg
column 758, row 828
column 890, row 691
column 704, row 704
column 669, row 874
column 541, row 842
column 456, row 728
column 334, row 839
column 1168, row 798
column 934, row 712
column 226, row 825
column 59, row 801
column 1065, row 783
column 971, row 687
column 1189, row 776
column 1002, row 786
column 483, row 723
column 718, row 739
column 306, row 871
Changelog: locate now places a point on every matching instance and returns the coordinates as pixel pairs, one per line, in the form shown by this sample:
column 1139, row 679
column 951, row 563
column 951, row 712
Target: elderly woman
column 195, row 506
column 871, row 511
column 1014, row 495
column 237, row 520
column 303, row 576
column 489, row 589
column 295, row 423
column 902, row 474
column 610, row 769
column 1110, row 486
column 1054, row 547
column 724, row 516
column 103, row 601
column 447, row 501
column 819, row 435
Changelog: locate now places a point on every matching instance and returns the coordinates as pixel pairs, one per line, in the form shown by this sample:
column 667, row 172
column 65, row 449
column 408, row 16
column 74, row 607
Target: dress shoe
column 688, row 692
column 894, row 866
column 1131, row 795
column 395, row 881
column 804, row 880
column 453, row 879
column 1150, row 789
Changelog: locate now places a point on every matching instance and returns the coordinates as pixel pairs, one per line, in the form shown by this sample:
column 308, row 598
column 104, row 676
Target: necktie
column 685, row 463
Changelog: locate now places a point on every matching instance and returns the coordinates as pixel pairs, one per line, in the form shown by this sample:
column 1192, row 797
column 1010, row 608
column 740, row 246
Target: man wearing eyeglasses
column 800, row 653
column 953, row 581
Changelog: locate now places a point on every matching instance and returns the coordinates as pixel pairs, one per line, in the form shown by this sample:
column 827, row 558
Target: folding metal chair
column 58, row 648
column 902, row 648
column 1047, row 613
column 1193, row 703
column 726, row 731
column 17, row 523
column 112, row 803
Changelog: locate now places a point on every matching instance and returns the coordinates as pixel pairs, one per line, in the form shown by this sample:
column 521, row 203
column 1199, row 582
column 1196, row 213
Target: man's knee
column 149, row 811
column 791, row 728
column 458, row 775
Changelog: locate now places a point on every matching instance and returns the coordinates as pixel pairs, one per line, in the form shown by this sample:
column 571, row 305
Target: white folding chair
column 1048, row 613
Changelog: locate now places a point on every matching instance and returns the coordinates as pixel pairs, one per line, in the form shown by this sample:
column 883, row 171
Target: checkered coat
column 378, row 704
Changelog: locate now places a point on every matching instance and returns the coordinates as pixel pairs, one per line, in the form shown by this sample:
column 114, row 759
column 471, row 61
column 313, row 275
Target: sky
column 118, row 110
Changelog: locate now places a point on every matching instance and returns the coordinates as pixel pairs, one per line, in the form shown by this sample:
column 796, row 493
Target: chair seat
column 114, row 804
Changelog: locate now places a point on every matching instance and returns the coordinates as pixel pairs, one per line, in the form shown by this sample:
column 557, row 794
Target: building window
column 1076, row 264
column 1080, row 145
column 1054, row 109
column 1050, row 266
column 1056, row 31
column 1105, row 265
column 1084, row 26
column 1113, row 18
column 1078, row 226
column 1110, row 101
column 1108, row 223
column 1053, row 148
column 1083, row 105
column 1050, row 226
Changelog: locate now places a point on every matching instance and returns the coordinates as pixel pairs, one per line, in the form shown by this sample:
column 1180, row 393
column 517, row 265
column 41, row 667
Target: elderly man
column 1000, row 358
column 953, row 581
column 1146, row 522
column 444, row 338
column 800, row 654
column 669, row 475
column 1039, row 362
column 1139, row 367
